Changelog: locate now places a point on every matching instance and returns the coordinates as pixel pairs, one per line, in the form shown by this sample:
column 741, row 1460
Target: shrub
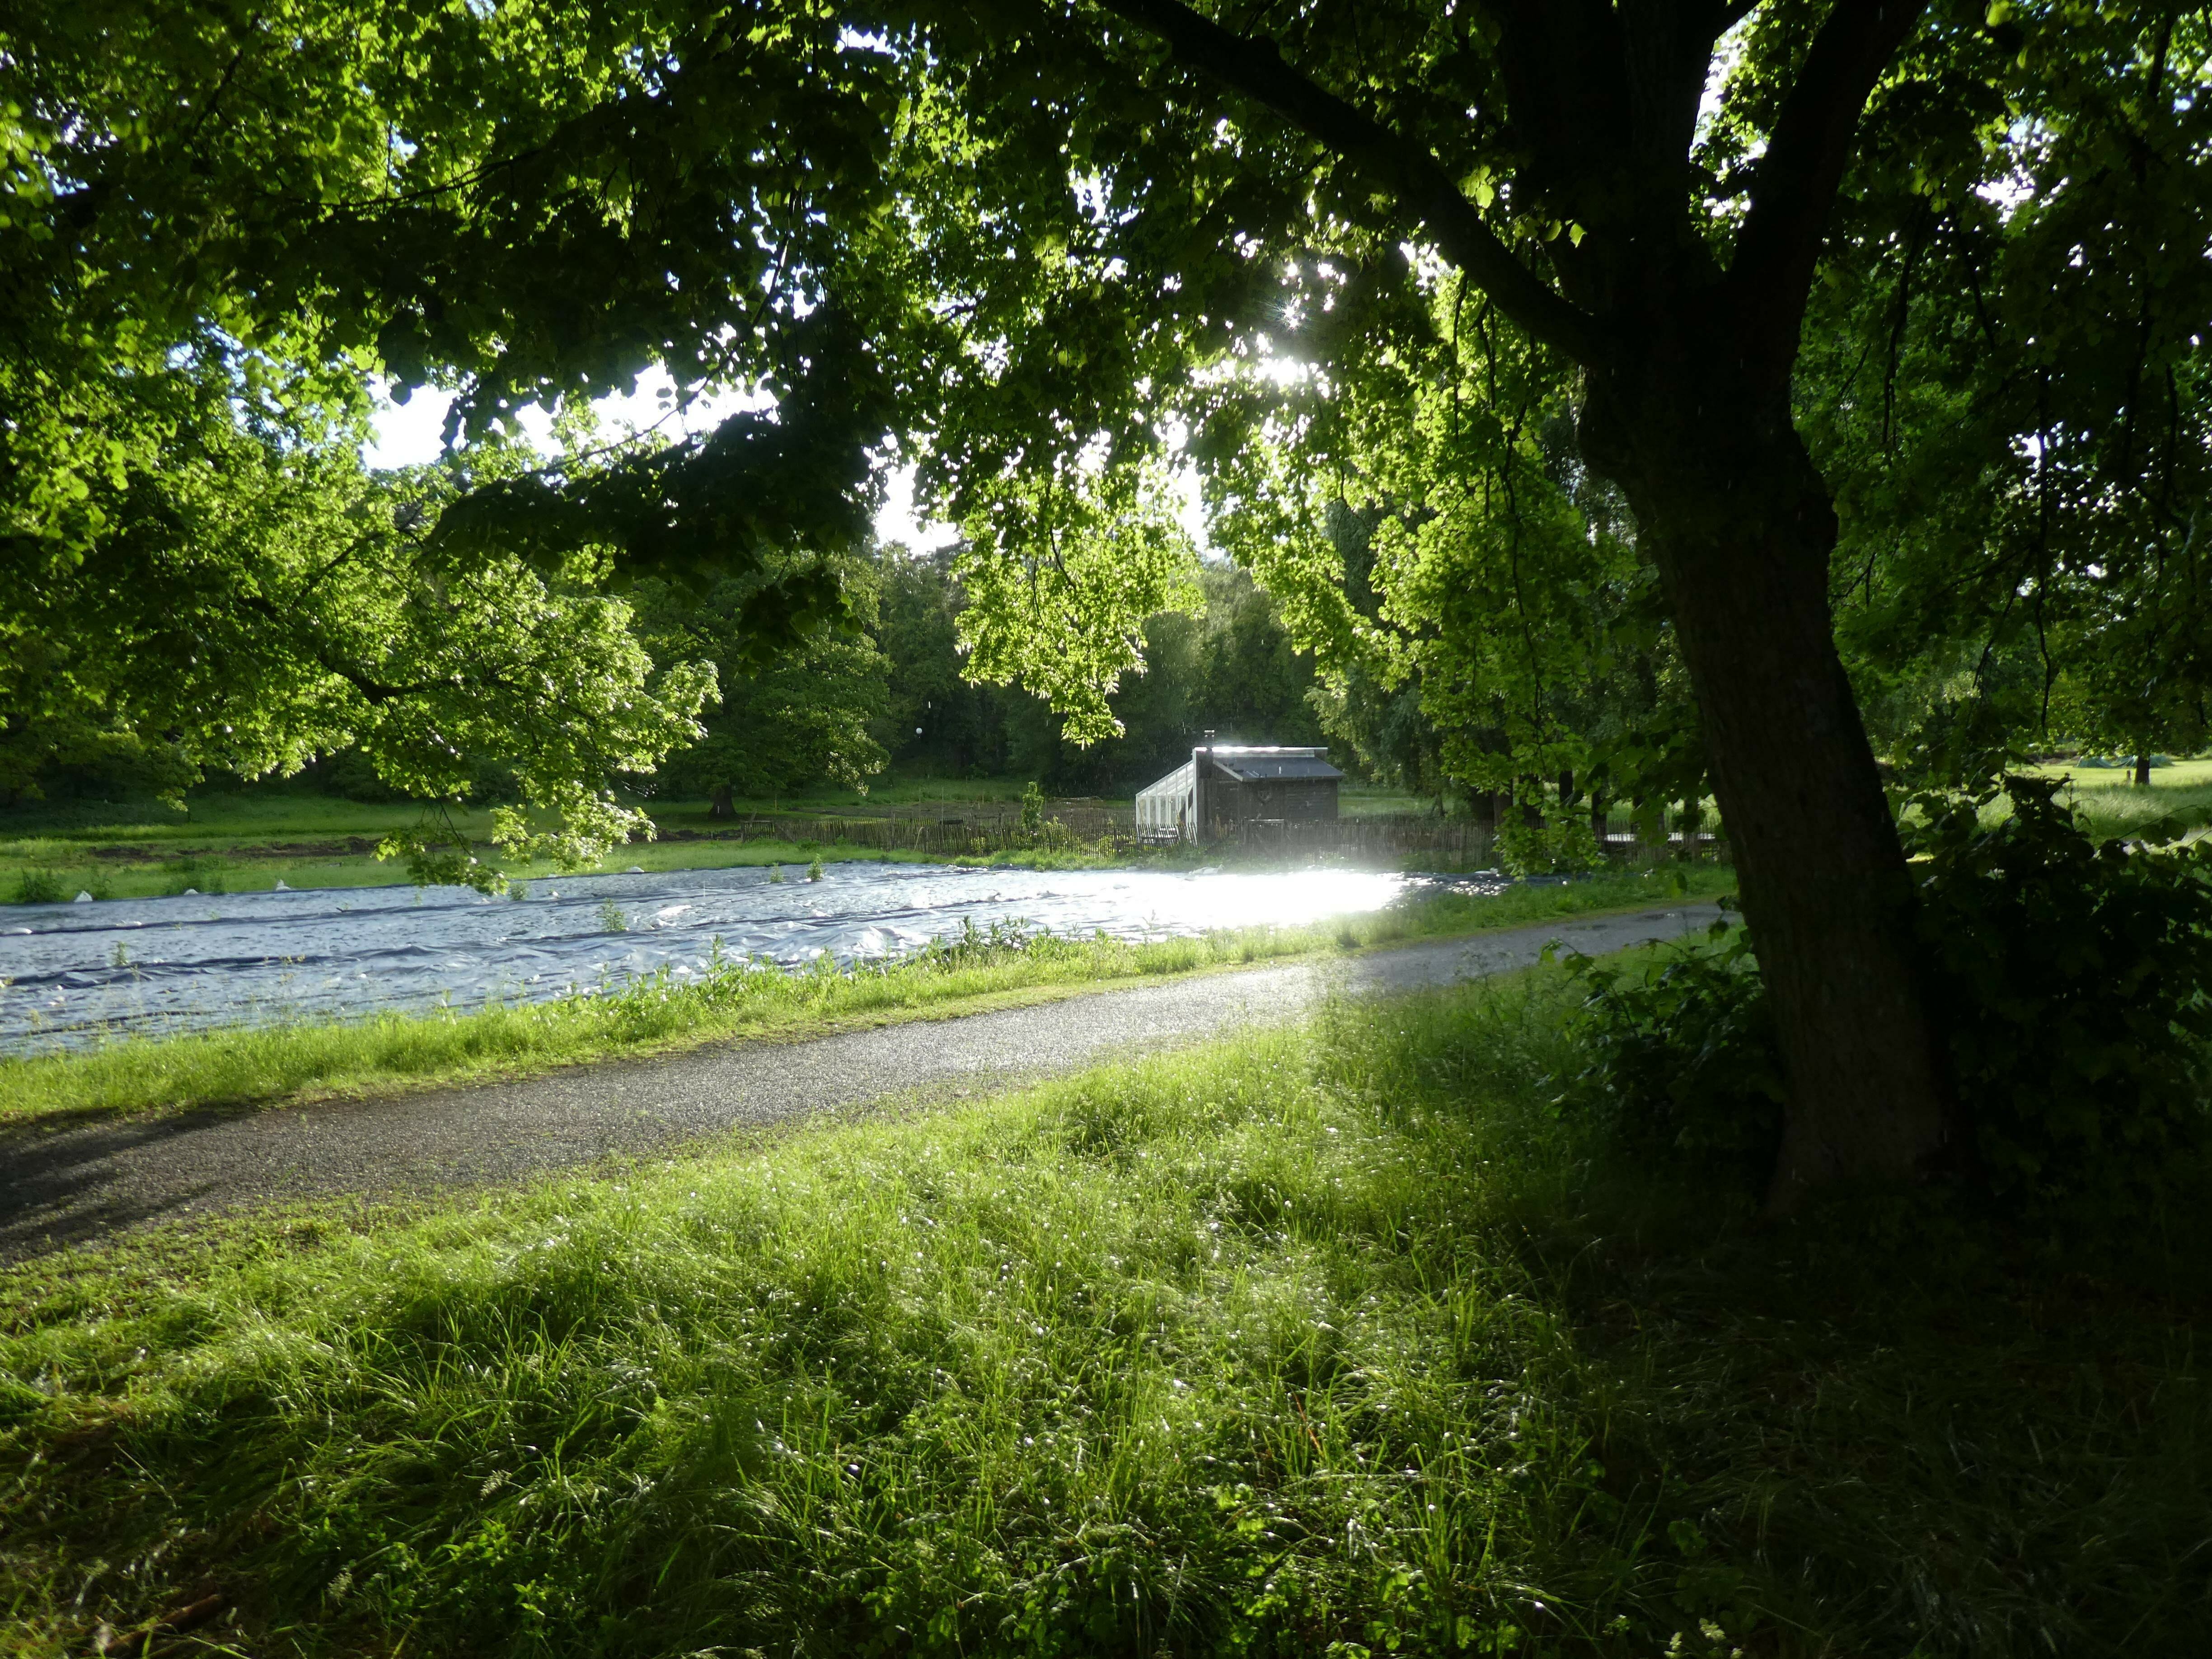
column 39, row 887
column 198, row 874
column 1680, row 1054
column 1566, row 846
column 2071, row 977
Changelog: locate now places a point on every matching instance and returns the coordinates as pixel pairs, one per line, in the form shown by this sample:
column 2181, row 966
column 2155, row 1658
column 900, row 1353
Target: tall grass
column 2108, row 802
column 250, row 1065
column 1314, row 1342
column 36, row 886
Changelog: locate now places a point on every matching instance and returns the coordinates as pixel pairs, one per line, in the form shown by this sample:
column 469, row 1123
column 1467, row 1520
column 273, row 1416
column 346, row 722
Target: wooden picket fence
column 1447, row 844
column 977, row 830
column 972, row 832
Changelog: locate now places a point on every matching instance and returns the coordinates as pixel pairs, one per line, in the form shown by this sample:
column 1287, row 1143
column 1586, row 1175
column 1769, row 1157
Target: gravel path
column 62, row 1186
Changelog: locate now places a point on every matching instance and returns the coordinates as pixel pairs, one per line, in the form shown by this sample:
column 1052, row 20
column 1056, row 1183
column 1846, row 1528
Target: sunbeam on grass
column 1327, row 1341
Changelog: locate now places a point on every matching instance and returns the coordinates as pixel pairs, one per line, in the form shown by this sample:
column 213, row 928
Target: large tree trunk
column 1739, row 525
column 1688, row 408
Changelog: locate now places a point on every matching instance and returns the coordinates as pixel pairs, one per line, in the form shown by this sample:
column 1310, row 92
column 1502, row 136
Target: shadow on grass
column 1911, row 1437
column 59, row 1187
column 1329, row 1342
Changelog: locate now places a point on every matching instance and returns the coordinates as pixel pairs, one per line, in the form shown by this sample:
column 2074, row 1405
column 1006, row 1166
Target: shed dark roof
column 1261, row 768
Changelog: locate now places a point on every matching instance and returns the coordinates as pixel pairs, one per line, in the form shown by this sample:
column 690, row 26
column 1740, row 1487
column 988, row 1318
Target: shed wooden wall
column 1294, row 801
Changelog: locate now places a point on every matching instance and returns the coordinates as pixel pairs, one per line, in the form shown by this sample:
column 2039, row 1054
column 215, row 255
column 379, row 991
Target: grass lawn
column 41, row 877
column 236, row 840
column 225, row 841
column 1335, row 1341
column 898, row 787
column 2109, row 803
column 264, row 1065
column 232, row 842
column 1361, row 800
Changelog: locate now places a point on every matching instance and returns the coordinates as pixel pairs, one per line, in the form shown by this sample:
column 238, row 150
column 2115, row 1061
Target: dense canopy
column 1592, row 369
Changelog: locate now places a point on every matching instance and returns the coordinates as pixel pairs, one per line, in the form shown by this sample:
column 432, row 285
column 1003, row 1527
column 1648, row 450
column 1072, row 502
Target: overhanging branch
column 1255, row 68
column 1795, row 182
column 1722, row 18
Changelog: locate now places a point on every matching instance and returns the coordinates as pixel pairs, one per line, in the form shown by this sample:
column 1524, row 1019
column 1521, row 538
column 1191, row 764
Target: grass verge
column 2109, row 804
column 46, row 872
column 1334, row 1342
column 238, row 840
column 261, row 1065
column 234, row 841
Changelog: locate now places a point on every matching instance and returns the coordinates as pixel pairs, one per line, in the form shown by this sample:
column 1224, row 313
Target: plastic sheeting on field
column 74, row 972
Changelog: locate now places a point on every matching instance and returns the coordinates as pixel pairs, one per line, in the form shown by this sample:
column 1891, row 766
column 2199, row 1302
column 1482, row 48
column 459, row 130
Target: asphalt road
column 63, row 1186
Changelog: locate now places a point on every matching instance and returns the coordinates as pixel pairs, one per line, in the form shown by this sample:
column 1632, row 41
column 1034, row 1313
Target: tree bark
column 1739, row 523
column 2143, row 769
column 1687, row 410
column 718, row 804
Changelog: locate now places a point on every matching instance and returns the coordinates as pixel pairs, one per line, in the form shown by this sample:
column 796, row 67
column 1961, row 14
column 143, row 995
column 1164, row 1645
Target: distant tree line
column 847, row 706
column 889, row 694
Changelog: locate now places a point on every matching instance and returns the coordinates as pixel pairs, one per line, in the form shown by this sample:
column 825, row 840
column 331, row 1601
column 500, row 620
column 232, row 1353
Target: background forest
column 893, row 697
column 1798, row 408
column 888, row 696
column 843, row 707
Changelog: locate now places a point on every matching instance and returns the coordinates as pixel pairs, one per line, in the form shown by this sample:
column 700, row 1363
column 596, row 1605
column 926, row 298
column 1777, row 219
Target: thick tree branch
column 1795, row 184
column 374, row 691
column 1255, row 68
column 1722, row 18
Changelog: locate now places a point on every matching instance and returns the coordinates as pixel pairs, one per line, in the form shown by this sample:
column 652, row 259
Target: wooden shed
column 1225, row 787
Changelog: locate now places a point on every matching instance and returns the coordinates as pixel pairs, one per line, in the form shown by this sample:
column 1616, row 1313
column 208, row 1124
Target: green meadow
column 2109, row 803
column 1346, row 1340
column 240, row 840
column 251, row 839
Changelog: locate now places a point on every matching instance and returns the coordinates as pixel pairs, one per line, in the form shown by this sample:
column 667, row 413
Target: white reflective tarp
column 69, row 972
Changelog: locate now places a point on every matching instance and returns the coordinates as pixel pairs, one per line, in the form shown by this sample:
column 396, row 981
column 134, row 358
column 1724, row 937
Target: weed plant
column 51, row 886
column 1336, row 1341
column 39, row 887
column 198, row 872
column 252, row 1065
column 42, row 886
column 1564, row 846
